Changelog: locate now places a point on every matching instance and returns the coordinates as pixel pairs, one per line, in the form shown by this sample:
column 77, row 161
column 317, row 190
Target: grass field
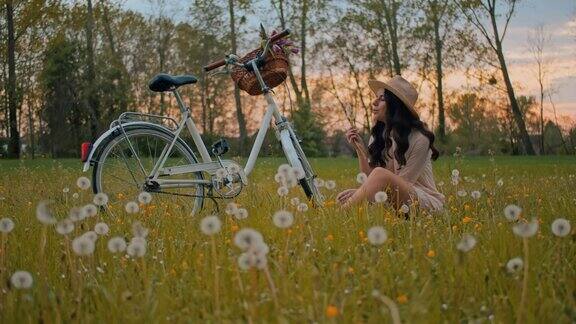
column 323, row 268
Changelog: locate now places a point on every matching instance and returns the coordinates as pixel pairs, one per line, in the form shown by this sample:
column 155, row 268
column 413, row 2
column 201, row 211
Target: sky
column 558, row 18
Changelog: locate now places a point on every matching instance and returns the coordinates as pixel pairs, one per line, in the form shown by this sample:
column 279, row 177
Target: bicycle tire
column 153, row 131
column 307, row 183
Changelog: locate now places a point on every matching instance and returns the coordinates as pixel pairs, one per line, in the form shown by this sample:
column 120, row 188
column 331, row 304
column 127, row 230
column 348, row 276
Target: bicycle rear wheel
column 127, row 159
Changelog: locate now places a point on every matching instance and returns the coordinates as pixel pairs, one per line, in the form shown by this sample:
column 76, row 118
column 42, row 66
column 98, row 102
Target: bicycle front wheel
column 307, row 183
column 126, row 161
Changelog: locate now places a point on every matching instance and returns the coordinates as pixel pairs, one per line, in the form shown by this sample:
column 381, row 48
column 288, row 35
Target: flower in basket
column 285, row 45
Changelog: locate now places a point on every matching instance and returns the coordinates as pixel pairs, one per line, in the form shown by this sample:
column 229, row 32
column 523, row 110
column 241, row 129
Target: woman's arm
column 356, row 141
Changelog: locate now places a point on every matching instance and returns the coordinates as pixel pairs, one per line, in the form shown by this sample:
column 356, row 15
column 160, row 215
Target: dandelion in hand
column 377, row 235
column 561, row 227
column 210, row 225
column 21, row 280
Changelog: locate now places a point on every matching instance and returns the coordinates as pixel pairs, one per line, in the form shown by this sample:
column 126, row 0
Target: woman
column 398, row 158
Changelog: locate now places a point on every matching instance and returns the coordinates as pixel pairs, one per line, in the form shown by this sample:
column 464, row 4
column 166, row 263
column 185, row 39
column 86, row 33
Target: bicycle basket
column 274, row 72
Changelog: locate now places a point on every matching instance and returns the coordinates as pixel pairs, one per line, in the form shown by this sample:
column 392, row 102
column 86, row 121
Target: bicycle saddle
column 165, row 82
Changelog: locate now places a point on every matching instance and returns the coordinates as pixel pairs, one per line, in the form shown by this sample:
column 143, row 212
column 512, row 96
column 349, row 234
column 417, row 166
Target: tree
column 538, row 41
column 90, row 84
column 14, row 143
column 475, row 11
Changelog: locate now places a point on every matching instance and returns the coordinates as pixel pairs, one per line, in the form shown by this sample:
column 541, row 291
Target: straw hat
column 401, row 88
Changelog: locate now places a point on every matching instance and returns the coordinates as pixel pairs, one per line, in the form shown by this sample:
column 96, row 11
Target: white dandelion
column 91, row 235
column 380, row 197
column 83, row 245
column 302, row 207
column 377, row 235
column 454, row 181
column 361, row 177
column 83, row 183
column 136, row 249
column 467, row 243
column 44, row 213
column 64, row 227
column 241, row 213
column 77, row 214
column 514, row 265
column 285, row 169
column 101, row 229
column 21, row 280
column 210, row 225
column 461, row 193
column 512, row 212
column 283, row 219
column 475, row 194
column 117, row 244
column 404, row 209
column 330, row 184
column 246, row 261
column 144, row 197
column 75, row 195
column 247, row 237
column 6, row 225
column 282, row 191
column 500, row 183
column 90, row 210
column 132, row 207
column 260, row 261
column 66, row 190
column 231, row 208
column 561, row 227
column 100, row 199
column 455, row 173
column 294, row 201
column 138, row 230
column 318, row 182
column 441, row 183
column 260, row 248
column 526, row 230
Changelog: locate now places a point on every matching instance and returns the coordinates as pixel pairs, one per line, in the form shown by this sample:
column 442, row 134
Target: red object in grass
column 85, row 150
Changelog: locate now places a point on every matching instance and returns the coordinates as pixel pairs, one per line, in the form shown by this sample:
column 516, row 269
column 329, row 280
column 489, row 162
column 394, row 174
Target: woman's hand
column 353, row 137
column 343, row 197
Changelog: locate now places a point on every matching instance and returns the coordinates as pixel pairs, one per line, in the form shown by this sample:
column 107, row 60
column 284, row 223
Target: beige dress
column 418, row 171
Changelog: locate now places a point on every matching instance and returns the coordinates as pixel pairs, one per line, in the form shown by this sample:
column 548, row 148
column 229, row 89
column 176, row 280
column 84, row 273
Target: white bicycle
column 143, row 152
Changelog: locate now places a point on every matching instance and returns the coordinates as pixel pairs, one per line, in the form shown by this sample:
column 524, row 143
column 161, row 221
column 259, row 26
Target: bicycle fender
column 112, row 132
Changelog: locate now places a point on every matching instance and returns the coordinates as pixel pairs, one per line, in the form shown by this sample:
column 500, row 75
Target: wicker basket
column 274, row 72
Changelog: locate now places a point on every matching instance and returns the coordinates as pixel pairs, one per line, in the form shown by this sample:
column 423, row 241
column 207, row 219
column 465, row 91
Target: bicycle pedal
column 220, row 147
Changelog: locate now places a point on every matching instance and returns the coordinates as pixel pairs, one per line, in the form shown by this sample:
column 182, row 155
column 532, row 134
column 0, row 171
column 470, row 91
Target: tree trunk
column 439, row 86
column 390, row 13
column 541, row 110
column 91, row 94
column 14, row 143
column 303, row 82
column 516, row 113
column 237, row 98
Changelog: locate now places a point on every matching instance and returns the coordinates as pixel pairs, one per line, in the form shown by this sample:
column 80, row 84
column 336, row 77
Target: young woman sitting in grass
column 399, row 154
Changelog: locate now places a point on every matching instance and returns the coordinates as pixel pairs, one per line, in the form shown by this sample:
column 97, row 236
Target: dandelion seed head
column 455, row 173
column 138, row 230
column 83, row 183
column 280, row 178
column 241, row 213
column 92, row 235
column 467, row 243
column 302, row 207
column 75, row 195
column 512, row 212
column 6, row 225
column 361, row 177
column 64, row 227
column 283, row 219
column 318, row 182
column 297, row 173
column 475, row 194
column 500, row 183
column 21, row 280
column 247, row 237
column 561, row 227
column 101, row 228
column 90, row 210
column 66, row 190
column 260, row 261
column 210, row 225
column 526, row 230
column 377, row 235
column 77, row 214
column 83, row 245
column 231, row 208
column 136, row 249
column 44, row 213
column 461, row 193
column 117, row 244
column 132, row 207
column 380, row 197
column 282, row 191
column 100, row 199
column 330, row 184
column 514, row 265
column 294, row 201
column 139, row 240
column 404, row 209
column 246, row 261
column 260, row 248
column 144, row 197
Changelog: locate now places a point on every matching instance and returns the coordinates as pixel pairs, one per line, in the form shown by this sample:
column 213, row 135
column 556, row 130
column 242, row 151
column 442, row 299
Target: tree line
column 69, row 69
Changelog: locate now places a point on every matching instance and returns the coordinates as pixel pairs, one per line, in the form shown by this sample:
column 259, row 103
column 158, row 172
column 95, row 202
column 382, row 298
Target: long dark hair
column 400, row 120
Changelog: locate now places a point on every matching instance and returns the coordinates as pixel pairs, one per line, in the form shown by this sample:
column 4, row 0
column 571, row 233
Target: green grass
column 323, row 263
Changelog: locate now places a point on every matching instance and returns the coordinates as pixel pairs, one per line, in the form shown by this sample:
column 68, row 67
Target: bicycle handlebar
column 222, row 62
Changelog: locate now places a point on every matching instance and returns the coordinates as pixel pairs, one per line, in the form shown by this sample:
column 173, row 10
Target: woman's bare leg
column 382, row 179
